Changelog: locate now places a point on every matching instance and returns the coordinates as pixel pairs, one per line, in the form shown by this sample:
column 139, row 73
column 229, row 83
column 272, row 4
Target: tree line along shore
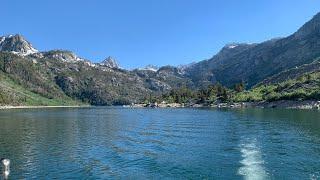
column 302, row 92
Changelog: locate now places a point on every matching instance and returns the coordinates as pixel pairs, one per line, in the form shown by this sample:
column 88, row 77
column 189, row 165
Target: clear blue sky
column 159, row 32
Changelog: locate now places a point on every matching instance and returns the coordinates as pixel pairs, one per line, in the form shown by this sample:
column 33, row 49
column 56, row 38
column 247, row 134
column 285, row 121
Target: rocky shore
column 284, row 104
column 306, row 104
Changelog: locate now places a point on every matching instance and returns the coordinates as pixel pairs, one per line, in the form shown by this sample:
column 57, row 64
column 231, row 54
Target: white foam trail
column 252, row 163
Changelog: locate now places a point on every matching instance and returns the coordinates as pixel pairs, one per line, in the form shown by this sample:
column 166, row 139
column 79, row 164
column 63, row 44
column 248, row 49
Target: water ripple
column 120, row 143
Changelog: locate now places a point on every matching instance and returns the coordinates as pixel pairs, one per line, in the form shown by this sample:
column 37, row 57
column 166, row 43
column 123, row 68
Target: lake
column 129, row 143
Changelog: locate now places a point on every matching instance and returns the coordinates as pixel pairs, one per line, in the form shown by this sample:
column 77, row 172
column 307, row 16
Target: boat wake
column 252, row 162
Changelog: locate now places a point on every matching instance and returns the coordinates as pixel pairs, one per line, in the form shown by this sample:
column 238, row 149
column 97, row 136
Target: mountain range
column 61, row 77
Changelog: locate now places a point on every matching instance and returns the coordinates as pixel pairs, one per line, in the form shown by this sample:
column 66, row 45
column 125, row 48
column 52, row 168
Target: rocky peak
column 16, row 44
column 311, row 27
column 110, row 62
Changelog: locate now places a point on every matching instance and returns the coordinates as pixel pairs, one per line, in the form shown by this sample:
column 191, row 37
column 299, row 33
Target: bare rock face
column 16, row 44
column 63, row 55
column 110, row 62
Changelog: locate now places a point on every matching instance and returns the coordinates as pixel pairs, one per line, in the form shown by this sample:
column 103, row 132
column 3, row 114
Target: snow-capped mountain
column 16, row 44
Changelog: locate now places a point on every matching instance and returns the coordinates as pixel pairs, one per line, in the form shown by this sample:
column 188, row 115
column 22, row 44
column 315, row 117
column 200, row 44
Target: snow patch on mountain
column 232, row 46
column 149, row 68
column 17, row 45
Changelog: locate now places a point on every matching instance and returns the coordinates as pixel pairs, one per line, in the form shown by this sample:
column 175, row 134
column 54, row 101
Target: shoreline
column 288, row 104
column 281, row 104
column 37, row 107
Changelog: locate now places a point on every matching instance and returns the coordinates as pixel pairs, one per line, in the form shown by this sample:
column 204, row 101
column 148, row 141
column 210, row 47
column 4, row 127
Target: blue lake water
column 125, row 143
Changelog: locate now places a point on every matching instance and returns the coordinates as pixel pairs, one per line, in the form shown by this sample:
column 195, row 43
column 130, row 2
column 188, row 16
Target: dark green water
column 120, row 143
